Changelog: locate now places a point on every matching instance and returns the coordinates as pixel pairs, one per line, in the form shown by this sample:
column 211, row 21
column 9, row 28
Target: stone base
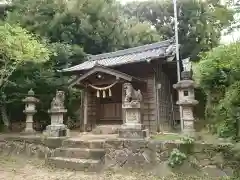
column 188, row 127
column 106, row 129
column 57, row 130
column 132, row 126
column 133, row 133
column 28, row 132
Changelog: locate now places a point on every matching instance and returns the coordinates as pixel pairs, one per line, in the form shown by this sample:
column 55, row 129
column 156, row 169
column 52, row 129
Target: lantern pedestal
column 29, row 122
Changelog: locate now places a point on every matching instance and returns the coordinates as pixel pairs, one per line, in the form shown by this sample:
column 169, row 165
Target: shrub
column 176, row 158
column 218, row 74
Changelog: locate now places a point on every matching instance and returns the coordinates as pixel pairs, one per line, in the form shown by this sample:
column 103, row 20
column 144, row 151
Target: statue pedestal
column 132, row 128
column 57, row 128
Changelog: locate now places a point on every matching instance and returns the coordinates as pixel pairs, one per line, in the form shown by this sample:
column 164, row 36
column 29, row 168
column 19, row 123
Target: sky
column 234, row 36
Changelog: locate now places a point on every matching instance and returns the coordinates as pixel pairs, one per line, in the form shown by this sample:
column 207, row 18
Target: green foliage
column 17, row 47
column 236, row 152
column 176, row 158
column 96, row 25
column 65, row 55
column 235, row 25
column 200, row 22
column 17, row 44
column 187, row 144
column 218, row 74
column 187, row 140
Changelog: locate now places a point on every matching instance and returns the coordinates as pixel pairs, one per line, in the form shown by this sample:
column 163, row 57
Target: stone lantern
column 186, row 100
column 30, row 109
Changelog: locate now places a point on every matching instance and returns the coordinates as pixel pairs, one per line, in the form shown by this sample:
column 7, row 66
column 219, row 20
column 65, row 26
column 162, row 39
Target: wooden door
column 110, row 108
column 111, row 112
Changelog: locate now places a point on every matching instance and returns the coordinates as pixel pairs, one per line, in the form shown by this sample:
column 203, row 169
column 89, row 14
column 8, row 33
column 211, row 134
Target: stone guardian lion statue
column 58, row 100
column 131, row 94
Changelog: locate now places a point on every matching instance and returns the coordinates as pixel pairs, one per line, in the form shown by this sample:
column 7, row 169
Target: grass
column 167, row 137
column 202, row 136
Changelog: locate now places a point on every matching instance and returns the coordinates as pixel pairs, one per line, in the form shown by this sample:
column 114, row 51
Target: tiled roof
column 131, row 55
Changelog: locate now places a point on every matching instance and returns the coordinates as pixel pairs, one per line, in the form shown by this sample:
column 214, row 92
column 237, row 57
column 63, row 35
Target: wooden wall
column 168, row 112
column 164, row 99
column 149, row 105
column 165, row 110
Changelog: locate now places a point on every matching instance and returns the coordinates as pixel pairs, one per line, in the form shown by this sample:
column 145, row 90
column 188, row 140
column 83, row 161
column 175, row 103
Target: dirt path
column 15, row 168
column 19, row 168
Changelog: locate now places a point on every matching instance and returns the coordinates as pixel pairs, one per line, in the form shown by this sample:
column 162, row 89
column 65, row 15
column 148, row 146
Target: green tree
column 235, row 25
column 200, row 22
column 17, row 48
column 139, row 32
column 218, row 74
column 95, row 25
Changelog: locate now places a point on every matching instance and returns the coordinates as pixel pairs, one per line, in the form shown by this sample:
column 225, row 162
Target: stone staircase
column 106, row 129
column 80, row 155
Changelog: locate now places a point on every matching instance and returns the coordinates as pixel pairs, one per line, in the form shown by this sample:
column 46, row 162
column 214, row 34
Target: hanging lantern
column 109, row 92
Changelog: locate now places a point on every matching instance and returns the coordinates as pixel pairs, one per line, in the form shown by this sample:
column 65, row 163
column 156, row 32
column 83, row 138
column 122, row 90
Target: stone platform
column 106, row 129
column 94, row 153
column 133, row 133
column 57, row 130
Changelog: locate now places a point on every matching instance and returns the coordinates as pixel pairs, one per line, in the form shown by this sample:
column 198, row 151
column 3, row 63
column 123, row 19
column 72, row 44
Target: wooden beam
column 106, row 70
column 109, row 71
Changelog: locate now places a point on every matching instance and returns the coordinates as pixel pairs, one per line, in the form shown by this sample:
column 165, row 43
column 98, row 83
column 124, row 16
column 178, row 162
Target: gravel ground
column 16, row 168
column 19, row 168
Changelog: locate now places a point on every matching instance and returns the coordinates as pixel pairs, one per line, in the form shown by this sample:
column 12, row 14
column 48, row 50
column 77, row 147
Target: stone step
column 91, row 144
column 84, row 153
column 75, row 164
column 106, row 129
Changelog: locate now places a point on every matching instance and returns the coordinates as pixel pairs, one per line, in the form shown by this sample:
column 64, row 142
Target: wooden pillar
column 123, row 110
column 81, row 117
column 85, row 110
column 156, row 92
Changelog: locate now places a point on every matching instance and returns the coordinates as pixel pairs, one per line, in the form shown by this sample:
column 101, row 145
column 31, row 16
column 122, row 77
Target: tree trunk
column 4, row 117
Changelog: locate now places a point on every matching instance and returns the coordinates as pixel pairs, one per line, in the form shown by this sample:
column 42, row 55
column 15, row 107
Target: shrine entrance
column 110, row 108
column 103, row 96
